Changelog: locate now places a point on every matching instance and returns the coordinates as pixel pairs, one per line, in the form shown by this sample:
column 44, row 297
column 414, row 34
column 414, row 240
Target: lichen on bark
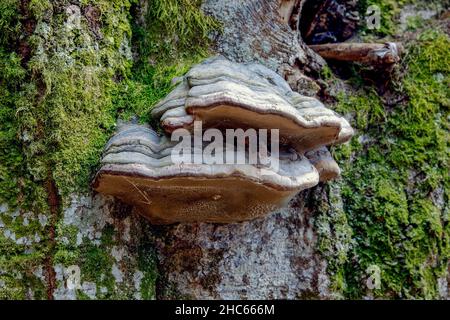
column 69, row 58
column 67, row 75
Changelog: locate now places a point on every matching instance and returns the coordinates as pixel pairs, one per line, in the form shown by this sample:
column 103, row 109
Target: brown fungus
column 137, row 168
column 138, row 165
column 222, row 94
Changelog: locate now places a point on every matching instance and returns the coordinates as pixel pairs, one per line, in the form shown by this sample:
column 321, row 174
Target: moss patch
column 169, row 37
column 395, row 179
column 390, row 13
column 66, row 75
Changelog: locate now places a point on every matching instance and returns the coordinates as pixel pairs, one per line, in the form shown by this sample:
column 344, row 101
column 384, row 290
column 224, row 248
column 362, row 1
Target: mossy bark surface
column 70, row 70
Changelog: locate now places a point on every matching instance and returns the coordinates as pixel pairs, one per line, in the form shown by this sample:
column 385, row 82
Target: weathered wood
column 368, row 53
column 260, row 31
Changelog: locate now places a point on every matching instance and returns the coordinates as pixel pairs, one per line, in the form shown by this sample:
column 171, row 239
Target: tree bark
column 266, row 32
column 368, row 53
column 274, row 257
column 58, row 59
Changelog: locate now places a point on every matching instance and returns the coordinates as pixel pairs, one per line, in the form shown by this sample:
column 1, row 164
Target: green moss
column 366, row 109
column 389, row 10
column 414, row 23
column 12, row 288
column 75, row 89
column 95, row 262
column 172, row 36
column 147, row 265
column 11, row 157
column 58, row 112
column 397, row 161
column 9, row 21
column 334, row 233
column 23, row 250
column 326, row 73
column 390, row 15
column 173, row 29
column 67, row 252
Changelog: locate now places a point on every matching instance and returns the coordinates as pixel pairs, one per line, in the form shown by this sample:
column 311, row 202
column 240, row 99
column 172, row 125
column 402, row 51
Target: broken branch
column 368, row 53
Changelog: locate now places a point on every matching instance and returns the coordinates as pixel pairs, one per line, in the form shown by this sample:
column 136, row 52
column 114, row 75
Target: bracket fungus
column 224, row 94
column 138, row 165
column 137, row 168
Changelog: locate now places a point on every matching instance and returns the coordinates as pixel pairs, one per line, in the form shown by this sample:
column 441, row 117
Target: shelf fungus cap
column 326, row 166
column 137, row 168
column 221, row 93
column 138, row 165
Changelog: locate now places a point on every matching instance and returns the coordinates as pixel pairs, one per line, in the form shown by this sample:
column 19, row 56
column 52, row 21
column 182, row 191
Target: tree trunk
column 65, row 70
column 271, row 258
column 58, row 63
